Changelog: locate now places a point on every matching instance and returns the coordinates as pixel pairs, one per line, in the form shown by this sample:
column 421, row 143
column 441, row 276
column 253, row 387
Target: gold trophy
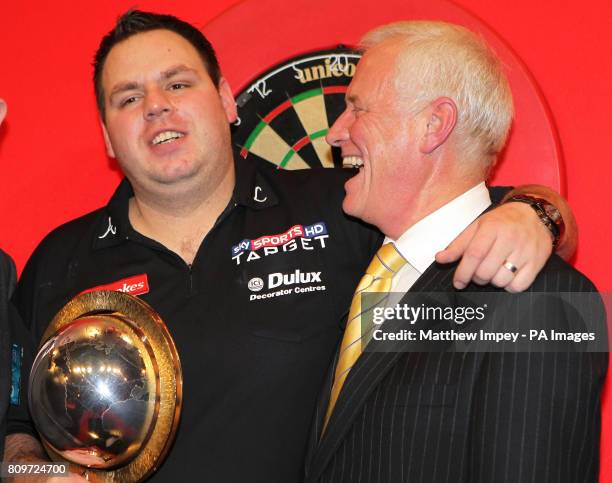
column 106, row 387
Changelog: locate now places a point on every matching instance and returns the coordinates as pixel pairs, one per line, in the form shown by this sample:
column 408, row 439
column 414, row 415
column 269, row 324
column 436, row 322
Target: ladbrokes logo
column 304, row 281
column 298, row 237
column 136, row 285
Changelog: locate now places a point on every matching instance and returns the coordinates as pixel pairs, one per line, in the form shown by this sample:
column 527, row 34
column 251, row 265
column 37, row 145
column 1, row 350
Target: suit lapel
column 363, row 379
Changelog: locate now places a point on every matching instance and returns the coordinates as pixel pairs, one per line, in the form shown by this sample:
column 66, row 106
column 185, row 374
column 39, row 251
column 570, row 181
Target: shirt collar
column 114, row 225
column 420, row 243
column 252, row 190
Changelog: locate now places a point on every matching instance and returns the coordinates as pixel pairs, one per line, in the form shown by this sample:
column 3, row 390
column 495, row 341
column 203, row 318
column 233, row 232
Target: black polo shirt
column 256, row 318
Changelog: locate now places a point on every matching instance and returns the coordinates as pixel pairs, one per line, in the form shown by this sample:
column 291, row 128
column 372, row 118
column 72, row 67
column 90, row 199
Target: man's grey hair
column 440, row 59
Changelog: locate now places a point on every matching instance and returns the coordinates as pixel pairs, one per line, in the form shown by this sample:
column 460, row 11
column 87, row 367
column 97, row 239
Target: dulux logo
column 278, row 279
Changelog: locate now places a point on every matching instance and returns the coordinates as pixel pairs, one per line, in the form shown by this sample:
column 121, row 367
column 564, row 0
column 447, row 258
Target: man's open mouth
column 166, row 137
column 352, row 162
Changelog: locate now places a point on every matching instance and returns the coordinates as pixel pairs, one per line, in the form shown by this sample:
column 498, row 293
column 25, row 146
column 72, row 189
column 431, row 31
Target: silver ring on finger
column 510, row 266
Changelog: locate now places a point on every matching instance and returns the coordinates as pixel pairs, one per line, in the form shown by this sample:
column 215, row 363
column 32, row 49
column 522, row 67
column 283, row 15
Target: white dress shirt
column 420, row 243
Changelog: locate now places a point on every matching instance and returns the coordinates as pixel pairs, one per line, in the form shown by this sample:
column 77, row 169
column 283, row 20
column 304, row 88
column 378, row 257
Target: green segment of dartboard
column 285, row 114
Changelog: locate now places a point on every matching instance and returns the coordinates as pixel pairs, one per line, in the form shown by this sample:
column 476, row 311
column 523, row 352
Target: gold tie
column 377, row 279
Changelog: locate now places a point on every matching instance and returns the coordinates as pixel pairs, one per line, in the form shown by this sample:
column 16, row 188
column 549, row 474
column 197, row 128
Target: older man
column 428, row 110
column 251, row 268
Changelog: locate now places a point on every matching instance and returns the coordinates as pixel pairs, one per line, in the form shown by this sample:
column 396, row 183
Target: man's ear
column 107, row 141
column 227, row 100
column 2, row 110
column 441, row 120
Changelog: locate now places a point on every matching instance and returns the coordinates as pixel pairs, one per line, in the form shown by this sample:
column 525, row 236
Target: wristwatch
column 548, row 213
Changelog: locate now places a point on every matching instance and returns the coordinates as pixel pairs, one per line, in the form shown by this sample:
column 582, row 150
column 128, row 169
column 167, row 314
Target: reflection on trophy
column 106, row 387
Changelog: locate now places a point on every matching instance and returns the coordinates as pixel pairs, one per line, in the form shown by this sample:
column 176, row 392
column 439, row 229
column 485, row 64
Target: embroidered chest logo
column 111, row 229
column 135, row 285
column 298, row 237
column 280, row 284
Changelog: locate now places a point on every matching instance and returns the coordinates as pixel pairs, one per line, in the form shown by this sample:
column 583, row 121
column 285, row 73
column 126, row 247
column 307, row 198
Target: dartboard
column 285, row 113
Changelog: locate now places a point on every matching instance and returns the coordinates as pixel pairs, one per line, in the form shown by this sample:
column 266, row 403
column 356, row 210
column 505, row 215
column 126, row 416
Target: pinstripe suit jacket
column 465, row 417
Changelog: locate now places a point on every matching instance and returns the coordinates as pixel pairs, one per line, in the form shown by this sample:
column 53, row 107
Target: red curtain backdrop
column 52, row 156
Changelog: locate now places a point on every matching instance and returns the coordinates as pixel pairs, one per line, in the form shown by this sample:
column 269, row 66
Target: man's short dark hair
column 136, row 21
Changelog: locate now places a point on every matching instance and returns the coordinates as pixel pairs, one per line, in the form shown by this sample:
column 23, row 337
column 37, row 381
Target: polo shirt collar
column 251, row 190
column 114, row 226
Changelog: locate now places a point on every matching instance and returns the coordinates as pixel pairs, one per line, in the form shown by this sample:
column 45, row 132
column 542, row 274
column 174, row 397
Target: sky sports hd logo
column 298, row 237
